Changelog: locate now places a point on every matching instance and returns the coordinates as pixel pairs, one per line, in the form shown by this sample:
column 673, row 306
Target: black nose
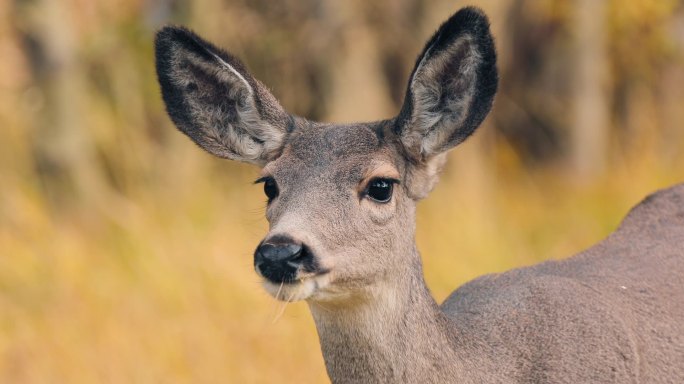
column 279, row 258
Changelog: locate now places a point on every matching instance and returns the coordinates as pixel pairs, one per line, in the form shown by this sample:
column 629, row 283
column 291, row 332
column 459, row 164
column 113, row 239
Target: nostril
column 294, row 250
column 279, row 252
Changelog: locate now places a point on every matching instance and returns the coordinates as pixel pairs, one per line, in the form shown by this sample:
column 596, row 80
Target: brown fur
column 612, row 314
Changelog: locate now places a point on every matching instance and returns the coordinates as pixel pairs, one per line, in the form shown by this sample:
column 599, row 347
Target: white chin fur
column 301, row 290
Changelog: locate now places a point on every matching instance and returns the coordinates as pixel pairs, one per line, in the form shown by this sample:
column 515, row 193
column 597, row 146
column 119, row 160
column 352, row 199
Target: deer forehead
column 342, row 153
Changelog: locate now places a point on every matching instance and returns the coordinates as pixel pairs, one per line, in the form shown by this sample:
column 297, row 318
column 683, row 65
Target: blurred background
column 125, row 251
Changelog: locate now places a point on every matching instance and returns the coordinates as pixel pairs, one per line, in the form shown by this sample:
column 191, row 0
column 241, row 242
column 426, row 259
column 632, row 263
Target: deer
column 341, row 210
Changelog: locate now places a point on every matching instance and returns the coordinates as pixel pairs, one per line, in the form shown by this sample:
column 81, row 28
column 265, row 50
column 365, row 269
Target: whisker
column 277, row 295
column 282, row 309
column 280, row 288
column 280, row 313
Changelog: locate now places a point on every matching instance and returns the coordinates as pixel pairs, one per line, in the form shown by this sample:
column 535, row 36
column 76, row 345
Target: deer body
column 342, row 221
column 611, row 314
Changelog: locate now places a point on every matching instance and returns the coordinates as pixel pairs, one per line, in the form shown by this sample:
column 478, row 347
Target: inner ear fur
column 451, row 88
column 213, row 99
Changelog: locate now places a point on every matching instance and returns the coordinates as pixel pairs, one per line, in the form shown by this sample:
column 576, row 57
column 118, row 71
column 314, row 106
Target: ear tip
column 470, row 15
column 183, row 38
column 466, row 21
column 473, row 20
column 172, row 39
column 172, row 34
column 469, row 19
column 173, row 31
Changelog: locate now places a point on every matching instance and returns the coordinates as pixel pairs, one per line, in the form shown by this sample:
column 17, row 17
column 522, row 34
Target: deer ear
column 212, row 98
column 451, row 88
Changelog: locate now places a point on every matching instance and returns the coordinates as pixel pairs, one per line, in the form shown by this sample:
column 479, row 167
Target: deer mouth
column 302, row 288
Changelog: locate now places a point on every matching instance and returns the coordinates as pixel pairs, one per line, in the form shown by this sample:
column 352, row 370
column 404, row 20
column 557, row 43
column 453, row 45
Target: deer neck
column 397, row 333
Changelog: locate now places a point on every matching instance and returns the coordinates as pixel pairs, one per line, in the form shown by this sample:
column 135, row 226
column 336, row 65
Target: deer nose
column 279, row 258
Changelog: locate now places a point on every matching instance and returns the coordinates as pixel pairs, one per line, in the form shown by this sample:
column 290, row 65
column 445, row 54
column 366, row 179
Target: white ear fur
column 269, row 137
column 233, row 70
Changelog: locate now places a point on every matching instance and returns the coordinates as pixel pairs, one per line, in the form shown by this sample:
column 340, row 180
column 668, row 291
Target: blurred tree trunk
column 672, row 93
column 358, row 89
column 590, row 120
column 64, row 150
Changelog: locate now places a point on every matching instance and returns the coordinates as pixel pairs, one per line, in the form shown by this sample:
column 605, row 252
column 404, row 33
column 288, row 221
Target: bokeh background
column 125, row 251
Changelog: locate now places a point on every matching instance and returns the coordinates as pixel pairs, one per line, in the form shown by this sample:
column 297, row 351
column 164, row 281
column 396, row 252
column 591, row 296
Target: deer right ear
column 451, row 88
column 212, row 98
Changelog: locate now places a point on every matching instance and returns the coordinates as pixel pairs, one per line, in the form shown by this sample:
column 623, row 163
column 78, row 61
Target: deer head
column 341, row 198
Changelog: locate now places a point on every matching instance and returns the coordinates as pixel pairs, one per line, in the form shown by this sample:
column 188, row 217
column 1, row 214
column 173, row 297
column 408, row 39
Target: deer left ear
column 451, row 88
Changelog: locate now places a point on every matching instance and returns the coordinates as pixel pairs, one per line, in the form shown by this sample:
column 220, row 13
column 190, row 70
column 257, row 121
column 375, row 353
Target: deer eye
column 270, row 187
column 380, row 190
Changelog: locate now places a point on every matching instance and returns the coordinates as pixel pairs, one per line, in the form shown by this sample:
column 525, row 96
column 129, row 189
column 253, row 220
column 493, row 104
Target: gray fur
column 612, row 314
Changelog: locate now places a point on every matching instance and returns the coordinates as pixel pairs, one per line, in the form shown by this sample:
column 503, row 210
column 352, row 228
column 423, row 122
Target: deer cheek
column 380, row 213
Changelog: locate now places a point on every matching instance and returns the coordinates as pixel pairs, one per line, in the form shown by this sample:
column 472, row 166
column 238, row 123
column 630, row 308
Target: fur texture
column 612, row 314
